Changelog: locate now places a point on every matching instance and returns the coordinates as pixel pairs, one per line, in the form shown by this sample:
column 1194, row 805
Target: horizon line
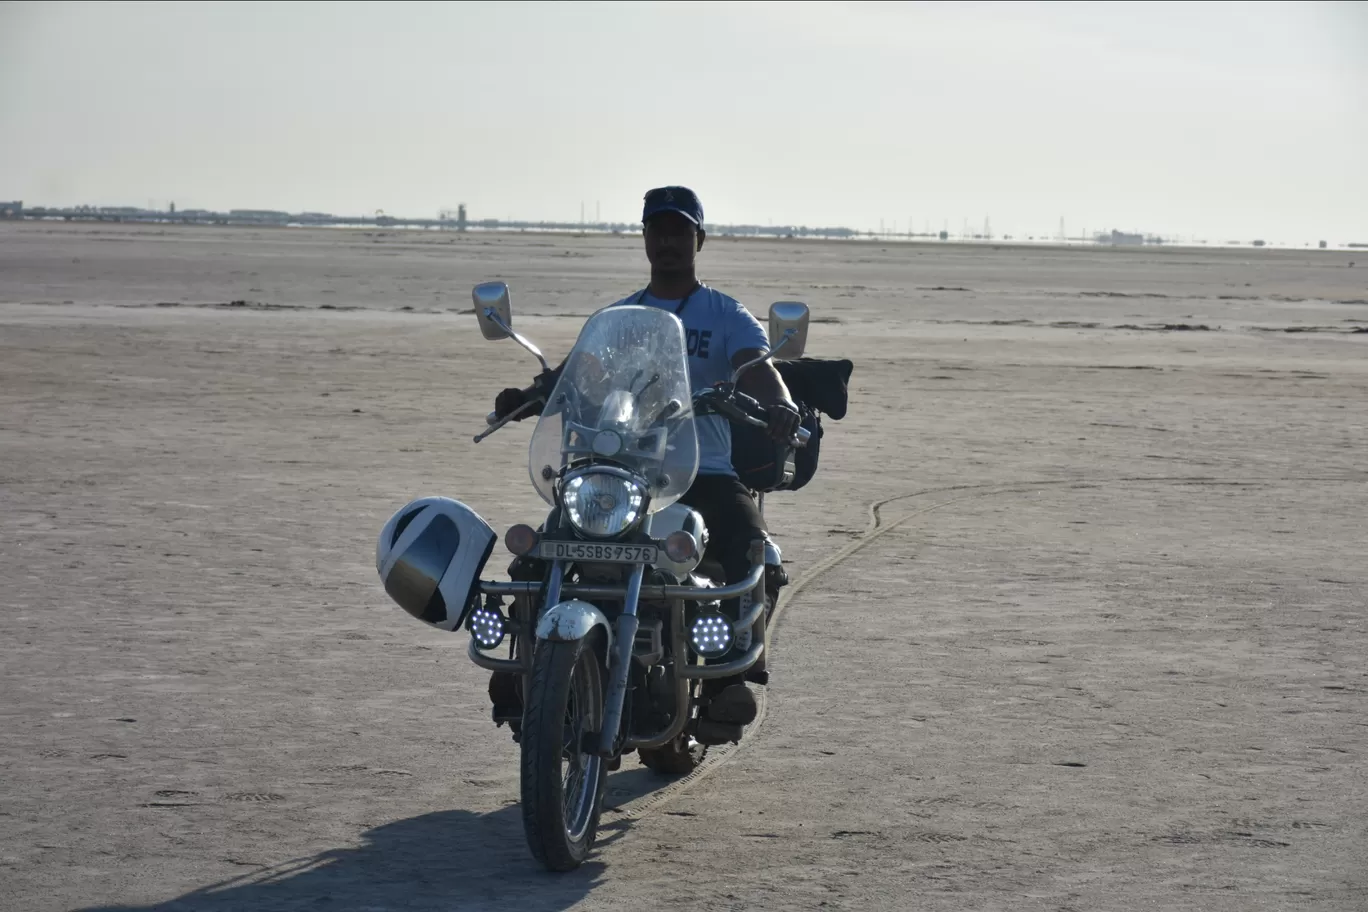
column 450, row 219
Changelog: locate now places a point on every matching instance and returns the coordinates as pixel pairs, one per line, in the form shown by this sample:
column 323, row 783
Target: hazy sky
column 1228, row 119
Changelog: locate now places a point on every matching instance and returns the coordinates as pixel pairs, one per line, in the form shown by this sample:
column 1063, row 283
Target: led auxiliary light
column 711, row 635
column 487, row 626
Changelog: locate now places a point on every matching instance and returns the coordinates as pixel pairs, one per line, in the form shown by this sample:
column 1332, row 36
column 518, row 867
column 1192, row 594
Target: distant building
column 1121, row 239
column 461, row 223
column 1323, row 245
column 12, row 210
column 259, row 215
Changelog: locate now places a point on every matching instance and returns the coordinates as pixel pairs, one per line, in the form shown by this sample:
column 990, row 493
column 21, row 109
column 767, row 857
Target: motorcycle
column 614, row 618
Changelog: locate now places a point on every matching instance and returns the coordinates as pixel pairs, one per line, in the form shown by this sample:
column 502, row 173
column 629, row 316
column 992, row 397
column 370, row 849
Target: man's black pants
column 733, row 519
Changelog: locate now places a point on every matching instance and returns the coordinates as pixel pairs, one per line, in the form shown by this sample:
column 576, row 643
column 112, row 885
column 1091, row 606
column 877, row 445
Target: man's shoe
column 714, row 733
column 504, row 694
column 734, row 705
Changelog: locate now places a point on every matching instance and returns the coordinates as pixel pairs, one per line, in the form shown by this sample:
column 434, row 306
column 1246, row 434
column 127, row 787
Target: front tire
column 561, row 807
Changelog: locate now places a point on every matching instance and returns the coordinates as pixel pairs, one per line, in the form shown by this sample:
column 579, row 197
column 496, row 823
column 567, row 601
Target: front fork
column 620, row 662
column 620, row 671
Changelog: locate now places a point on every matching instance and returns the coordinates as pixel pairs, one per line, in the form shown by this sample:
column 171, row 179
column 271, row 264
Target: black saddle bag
column 818, row 386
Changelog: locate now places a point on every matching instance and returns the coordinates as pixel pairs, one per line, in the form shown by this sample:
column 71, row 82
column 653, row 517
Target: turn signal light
column 681, row 547
column 521, row 539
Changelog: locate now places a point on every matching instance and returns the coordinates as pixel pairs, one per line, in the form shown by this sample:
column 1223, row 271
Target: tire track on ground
column 639, row 807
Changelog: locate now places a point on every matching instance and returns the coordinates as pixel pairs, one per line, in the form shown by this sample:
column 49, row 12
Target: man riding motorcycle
column 721, row 335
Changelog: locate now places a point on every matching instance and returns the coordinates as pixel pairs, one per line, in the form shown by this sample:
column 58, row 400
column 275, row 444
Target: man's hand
column 510, row 400
column 783, row 421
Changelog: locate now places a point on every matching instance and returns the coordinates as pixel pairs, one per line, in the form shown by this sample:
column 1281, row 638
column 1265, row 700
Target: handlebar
column 737, row 406
column 730, row 403
column 494, row 422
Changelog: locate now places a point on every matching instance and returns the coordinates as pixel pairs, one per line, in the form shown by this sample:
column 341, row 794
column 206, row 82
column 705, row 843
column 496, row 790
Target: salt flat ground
column 1104, row 652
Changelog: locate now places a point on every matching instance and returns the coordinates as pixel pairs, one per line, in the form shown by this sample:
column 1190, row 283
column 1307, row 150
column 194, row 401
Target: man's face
column 671, row 241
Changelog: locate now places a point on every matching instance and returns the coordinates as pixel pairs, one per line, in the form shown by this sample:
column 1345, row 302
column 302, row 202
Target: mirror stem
column 494, row 318
column 765, row 357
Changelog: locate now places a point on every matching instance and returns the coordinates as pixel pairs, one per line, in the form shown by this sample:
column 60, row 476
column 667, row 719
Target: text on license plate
column 591, row 551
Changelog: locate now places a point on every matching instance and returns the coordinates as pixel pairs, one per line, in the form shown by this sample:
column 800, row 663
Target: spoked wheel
column 677, row 758
column 562, row 786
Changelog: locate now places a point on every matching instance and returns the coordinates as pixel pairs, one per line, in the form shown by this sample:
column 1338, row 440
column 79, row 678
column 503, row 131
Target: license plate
column 603, row 553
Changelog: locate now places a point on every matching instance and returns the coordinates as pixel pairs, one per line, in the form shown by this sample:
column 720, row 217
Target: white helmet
column 429, row 557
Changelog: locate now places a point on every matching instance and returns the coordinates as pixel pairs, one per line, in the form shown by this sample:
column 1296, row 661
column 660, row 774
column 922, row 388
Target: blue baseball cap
column 673, row 199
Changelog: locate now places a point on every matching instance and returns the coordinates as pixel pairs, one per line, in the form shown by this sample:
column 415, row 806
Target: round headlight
column 603, row 505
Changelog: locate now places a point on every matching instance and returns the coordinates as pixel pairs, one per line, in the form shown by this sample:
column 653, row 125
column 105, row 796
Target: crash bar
column 687, row 593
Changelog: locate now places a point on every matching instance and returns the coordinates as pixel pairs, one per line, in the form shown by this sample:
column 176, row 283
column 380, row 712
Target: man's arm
column 763, row 384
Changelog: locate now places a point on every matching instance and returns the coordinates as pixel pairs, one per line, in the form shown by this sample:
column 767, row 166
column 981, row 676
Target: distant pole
column 1062, row 235
column 598, row 220
column 581, row 213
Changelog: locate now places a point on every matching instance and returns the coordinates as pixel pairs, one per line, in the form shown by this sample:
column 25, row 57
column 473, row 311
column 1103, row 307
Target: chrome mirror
column 788, row 323
column 494, row 310
column 495, row 313
column 788, row 326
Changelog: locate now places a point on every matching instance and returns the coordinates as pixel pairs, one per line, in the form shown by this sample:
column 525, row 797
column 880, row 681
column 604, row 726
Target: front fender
column 573, row 620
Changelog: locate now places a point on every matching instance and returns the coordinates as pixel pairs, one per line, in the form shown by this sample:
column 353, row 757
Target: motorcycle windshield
column 623, row 400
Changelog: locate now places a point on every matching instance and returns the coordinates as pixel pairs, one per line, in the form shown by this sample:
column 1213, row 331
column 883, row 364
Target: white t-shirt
column 716, row 327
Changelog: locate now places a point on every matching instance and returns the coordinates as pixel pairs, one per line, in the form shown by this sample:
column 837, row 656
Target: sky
column 1220, row 121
